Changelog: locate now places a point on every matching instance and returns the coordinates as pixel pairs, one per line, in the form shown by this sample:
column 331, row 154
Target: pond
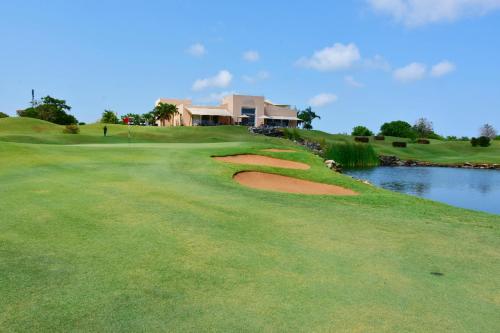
column 467, row 188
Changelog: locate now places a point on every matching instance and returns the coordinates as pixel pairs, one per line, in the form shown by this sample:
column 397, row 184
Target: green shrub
column 399, row 144
column 474, row 142
column 361, row 131
column 71, row 129
column 352, row 155
column 484, row 141
column 423, row 141
column 3, row 115
column 362, row 139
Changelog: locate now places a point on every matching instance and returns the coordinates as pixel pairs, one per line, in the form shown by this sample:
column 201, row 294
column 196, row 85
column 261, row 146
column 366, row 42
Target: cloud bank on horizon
column 413, row 13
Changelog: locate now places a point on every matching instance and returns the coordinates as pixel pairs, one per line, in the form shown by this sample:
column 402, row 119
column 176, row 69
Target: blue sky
column 357, row 62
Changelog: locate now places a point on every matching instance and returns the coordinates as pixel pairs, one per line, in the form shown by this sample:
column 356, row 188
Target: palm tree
column 307, row 116
column 164, row 112
column 149, row 118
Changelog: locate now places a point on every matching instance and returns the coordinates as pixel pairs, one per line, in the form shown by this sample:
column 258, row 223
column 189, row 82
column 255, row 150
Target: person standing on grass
column 105, row 129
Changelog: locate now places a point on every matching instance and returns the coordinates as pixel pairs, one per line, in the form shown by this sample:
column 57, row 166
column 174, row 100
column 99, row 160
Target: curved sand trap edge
column 278, row 183
column 277, row 150
column 262, row 160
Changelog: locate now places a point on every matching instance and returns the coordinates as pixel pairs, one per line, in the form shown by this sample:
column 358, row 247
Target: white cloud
column 221, row 80
column 197, row 50
column 260, row 76
column 377, row 62
column 216, row 97
column 251, row 56
column 412, row 72
column 443, row 68
column 352, row 82
column 420, row 12
column 323, row 99
column 336, row 57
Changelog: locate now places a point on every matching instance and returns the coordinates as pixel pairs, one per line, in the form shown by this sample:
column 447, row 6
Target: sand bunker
column 276, row 150
column 263, row 160
column 272, row 182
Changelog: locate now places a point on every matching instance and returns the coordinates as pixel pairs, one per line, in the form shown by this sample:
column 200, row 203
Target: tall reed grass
column 352, row 155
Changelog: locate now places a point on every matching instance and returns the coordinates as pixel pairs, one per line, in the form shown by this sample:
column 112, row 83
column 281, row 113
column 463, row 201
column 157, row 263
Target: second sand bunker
column 278, row 183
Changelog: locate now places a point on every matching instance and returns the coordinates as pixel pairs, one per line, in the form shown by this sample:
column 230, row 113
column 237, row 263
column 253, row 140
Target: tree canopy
column 3, row 115
column 50, row 109
column 397, row 128
column 423, row 128
column 307, row 116
column 361, row 131
column 488, row 131
column 164, row 112
column 109, row 117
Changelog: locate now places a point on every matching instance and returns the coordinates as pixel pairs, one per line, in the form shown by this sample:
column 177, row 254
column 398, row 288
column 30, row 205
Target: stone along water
column 466, row 188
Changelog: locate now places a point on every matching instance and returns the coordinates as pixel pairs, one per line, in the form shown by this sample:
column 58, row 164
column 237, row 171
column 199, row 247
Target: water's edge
column 393, row 161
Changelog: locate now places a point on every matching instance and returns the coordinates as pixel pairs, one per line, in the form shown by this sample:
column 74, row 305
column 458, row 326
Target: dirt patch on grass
column 262, row 160
column 278, row 183
column 277, row 150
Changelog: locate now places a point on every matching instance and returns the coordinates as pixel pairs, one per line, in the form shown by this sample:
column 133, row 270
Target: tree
column 149, row 118
column 3, row 115
column 488, row 131
column 60, row 104
column 307, row 116
column 50, row 109
column 482, row 141
column 109, row 117
column 134, row 118
column 397, row 128
column 423, row 128
column 361, row 131
column 164, row 112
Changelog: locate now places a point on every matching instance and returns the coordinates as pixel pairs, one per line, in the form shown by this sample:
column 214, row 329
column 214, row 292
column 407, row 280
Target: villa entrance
column 249, row 119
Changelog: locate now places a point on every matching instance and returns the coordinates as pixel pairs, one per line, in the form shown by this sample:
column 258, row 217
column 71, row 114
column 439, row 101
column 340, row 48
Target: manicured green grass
column 452, row 152
column 158, row 237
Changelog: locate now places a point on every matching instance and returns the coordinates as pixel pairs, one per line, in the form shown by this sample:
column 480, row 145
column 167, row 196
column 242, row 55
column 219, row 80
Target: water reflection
column 407, row 187
column 468, row 188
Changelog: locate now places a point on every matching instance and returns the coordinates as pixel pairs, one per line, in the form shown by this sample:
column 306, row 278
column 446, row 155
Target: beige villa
column 234, row 110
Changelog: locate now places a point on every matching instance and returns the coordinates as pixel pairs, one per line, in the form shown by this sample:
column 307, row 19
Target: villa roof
column 175, row 101
column 280, row 105
column 208, row 112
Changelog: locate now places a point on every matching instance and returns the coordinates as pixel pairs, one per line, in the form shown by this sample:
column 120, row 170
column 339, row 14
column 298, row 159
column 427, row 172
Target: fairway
column 102, row 234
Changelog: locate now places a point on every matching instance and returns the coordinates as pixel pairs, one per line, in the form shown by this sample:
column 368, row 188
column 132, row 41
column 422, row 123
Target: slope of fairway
column 159, row 237
column 438, row 151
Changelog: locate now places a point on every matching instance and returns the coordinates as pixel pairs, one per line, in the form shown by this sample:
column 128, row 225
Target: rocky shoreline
column 392, row 161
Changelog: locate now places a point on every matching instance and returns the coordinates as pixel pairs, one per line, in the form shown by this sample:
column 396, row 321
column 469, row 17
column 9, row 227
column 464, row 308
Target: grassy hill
column 29, row 130
column 156, row 236
column 438, row 151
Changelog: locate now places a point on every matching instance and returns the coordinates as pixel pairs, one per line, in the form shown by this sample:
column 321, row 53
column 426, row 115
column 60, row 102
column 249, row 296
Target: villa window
column 250, row 119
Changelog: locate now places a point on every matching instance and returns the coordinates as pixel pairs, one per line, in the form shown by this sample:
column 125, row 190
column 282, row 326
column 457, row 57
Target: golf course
column 147, row 231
